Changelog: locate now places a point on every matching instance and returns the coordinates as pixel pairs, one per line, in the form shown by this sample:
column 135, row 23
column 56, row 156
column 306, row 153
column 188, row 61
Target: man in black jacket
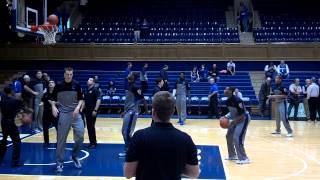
column 263, row 96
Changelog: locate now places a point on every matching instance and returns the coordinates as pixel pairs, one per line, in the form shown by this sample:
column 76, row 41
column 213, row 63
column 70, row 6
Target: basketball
column 26, row 118
column 224, row 122
column 53, row 19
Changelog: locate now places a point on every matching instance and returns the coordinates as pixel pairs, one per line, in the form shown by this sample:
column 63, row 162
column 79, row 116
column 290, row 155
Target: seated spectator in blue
column 111, row 88
column 203, row 73
column 214, row 72
column 195, row 74
column 231, row 66
column 270, row 70
column 283, row 70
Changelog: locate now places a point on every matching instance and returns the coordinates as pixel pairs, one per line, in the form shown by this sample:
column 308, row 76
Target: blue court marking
column 102, row 161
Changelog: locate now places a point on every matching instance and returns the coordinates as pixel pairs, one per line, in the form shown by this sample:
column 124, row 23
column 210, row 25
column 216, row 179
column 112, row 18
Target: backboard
column 26, row 13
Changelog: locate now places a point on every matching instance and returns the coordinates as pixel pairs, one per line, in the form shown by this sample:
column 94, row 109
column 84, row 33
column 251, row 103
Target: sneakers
column 276, row 132
column 289, row 135
column 122, row 154
column 233, row 158
column 59, row 169
column 76, row 162
column 246, row 161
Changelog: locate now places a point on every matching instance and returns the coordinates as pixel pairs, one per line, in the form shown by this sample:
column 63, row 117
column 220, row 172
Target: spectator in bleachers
column 181, row 91
column 270, row 70
column 145, row 26
column 237, row 93
column 213, row 99
column 137, row 30
column 305, row 99
column 244, row 17
column 231, row 66
column 214, row 72
column 194, row 74
column 294, row 97
column 313, row 99
column 203, row 73
column 164, row 76
column 263, row 96
column 283, row 70
column 159, row 86
column 111, row 88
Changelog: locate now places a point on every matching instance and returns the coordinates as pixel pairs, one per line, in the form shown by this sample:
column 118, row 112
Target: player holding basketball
column 237, row 128
column 279, row 93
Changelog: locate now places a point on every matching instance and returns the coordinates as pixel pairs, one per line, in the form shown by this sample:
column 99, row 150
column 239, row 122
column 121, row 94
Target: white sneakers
column 246, row 161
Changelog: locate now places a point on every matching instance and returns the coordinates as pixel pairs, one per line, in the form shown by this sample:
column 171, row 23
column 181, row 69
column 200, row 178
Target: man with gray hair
column 148, row 158
column 294, row 97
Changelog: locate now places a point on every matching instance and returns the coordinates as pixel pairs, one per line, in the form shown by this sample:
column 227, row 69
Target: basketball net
column 49, row 33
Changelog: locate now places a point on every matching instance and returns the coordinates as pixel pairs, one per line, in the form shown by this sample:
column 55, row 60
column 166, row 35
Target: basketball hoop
column 49, row 33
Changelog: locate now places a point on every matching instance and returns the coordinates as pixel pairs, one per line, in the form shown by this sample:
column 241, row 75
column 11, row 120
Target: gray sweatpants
column 64, row 125
column 181, row 105
column 128, row 125
column 235, row 138
column 283, row 116
column 38, row 113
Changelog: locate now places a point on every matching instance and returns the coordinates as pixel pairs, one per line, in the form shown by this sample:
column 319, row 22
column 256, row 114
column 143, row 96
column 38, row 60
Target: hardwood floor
column 272, row 157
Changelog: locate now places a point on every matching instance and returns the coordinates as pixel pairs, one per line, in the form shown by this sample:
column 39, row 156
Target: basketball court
column 272, row 157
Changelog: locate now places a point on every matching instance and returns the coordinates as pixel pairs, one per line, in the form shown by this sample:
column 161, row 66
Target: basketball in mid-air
column 224, row 122
column 53, row 19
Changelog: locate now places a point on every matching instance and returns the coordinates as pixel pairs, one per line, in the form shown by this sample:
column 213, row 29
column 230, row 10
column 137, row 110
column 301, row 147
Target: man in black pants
column 161, row 152
column 48, row 118
column 92, row 100
column 213, row 99
column 313, row 97
column 9, row 107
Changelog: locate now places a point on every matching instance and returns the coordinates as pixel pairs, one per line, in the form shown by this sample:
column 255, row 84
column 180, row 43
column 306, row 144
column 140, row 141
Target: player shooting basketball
column 237, row 128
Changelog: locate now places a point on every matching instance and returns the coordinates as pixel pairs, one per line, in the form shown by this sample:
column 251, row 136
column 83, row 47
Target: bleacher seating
column 287, row 21
column 169, row 22
column 198, row 94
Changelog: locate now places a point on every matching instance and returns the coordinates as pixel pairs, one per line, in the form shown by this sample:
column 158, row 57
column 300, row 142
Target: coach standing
column 92, row 100
column 68, row 97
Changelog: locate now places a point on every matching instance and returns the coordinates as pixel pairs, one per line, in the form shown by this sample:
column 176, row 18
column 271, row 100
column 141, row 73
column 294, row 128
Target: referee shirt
column 162, row 152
